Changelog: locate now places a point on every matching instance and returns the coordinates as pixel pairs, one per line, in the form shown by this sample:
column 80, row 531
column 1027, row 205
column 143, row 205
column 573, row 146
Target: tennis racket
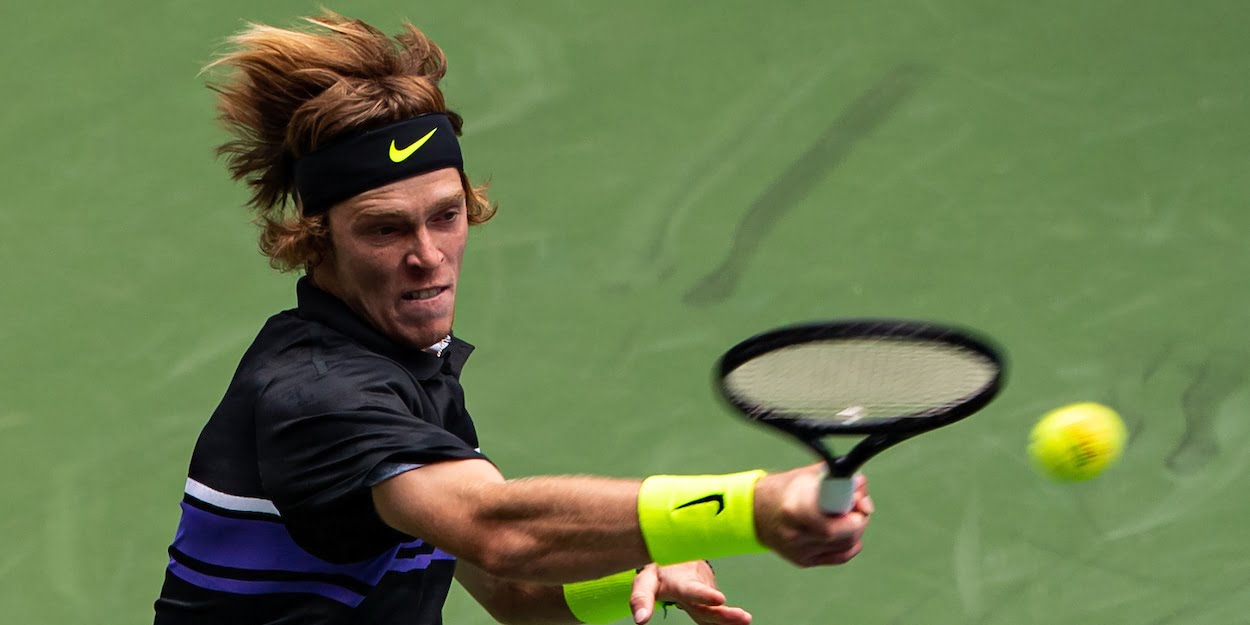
column 887, row 380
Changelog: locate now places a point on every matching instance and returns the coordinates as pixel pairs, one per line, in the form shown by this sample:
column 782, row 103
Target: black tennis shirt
column 278, row 523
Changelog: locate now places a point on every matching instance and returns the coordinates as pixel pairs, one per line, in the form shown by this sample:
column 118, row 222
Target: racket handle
column 837, row 494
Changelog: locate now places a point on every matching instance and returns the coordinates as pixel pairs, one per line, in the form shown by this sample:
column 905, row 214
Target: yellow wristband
column 602, row 600
column 698, row 517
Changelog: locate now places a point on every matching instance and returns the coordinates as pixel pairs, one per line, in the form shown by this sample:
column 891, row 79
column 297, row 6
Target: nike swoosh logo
column 399, row 156
column 718, row 498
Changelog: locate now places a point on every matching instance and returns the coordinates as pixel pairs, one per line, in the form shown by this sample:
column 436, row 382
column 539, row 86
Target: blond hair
column 289, row 91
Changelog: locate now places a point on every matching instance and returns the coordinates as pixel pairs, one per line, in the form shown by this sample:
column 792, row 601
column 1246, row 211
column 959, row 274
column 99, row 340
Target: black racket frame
column 880, row 434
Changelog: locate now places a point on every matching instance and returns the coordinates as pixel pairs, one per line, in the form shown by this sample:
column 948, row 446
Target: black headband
column 371, row 159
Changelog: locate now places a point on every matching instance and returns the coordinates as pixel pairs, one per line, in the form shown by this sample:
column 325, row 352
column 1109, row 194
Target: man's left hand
column 691, row 586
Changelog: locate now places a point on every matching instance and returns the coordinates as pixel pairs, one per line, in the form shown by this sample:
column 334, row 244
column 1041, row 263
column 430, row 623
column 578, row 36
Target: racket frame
column 879, row 433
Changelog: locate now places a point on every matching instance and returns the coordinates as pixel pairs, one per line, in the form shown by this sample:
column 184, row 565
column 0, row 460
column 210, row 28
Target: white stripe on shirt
column 229, row 502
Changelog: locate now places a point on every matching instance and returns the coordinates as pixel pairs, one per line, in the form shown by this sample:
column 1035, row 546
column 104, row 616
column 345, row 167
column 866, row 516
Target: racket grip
column 837, row 494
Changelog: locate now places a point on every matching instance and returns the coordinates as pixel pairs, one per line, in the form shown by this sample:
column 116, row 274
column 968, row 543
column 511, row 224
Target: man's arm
column 559, row 529
column 544, row 530
column 515, row 603
column 692, row 586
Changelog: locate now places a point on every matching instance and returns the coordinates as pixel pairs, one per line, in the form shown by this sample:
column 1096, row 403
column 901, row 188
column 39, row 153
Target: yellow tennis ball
column 1078, row 441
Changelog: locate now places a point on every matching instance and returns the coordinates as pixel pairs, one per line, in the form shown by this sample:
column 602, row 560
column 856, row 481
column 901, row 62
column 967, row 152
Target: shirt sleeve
column 321, row 436
column 388, row 470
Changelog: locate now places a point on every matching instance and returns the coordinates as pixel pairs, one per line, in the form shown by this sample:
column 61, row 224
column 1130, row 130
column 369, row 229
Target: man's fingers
column 841, row 556
column 690, row 592
column 718, row 615
column 864, row 504
column 843, row 531
column 861, row 486
column 642, row 596
column 845, row 556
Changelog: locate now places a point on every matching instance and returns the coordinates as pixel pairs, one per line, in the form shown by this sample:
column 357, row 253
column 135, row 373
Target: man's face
column 396, row 256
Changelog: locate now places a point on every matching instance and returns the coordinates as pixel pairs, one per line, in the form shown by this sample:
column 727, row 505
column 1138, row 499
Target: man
column 339, row 480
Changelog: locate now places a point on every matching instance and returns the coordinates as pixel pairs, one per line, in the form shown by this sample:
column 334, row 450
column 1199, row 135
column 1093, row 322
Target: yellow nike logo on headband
column 400, row 156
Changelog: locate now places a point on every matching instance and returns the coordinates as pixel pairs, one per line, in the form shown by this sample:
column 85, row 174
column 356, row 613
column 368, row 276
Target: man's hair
column 291, row 91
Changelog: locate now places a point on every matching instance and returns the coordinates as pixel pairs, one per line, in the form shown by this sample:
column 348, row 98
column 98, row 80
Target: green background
column 1070, row 177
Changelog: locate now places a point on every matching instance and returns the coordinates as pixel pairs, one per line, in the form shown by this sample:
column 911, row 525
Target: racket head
column 902, row 376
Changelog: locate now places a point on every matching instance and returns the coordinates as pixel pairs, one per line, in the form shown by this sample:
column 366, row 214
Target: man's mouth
column 424, row 294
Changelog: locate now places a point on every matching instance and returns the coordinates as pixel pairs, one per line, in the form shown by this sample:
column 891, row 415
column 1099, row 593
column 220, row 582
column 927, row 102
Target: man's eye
column 386, row 230
column 450, row 215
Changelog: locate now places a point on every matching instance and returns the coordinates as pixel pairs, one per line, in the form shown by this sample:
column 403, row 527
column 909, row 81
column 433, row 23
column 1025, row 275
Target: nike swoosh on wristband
column 718, row 498
column 399, row 156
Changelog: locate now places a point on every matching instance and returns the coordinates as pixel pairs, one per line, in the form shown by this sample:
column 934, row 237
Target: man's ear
column 323, row 249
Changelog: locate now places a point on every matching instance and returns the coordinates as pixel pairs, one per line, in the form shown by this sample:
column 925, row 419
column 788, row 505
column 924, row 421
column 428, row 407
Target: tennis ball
column 1076, row 442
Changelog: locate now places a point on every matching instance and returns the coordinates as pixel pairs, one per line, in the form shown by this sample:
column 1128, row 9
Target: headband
column 374, row 158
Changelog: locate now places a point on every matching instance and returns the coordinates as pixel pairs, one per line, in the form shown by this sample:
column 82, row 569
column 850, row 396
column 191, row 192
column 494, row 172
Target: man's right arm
column 545, row 529
column 559, row 529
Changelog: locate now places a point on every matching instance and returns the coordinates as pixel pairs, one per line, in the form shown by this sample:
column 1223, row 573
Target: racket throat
column 835, row 467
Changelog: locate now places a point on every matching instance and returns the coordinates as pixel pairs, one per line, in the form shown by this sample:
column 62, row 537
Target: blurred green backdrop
column 1070, row 177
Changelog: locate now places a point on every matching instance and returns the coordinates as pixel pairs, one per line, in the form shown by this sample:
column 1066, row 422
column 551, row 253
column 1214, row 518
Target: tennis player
column 340, row 479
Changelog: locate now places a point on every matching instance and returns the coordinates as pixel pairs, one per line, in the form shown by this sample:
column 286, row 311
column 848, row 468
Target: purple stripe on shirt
column 420, row 562
column 254, row 587
column 266, row 545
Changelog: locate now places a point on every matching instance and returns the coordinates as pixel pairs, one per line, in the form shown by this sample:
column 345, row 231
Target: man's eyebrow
column 382, row 212
column 455, row 200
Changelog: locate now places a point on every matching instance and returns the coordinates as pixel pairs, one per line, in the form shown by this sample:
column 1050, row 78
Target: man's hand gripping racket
column 886, row 380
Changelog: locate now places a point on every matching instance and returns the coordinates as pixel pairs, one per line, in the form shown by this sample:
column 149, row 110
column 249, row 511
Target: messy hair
column 289, row 91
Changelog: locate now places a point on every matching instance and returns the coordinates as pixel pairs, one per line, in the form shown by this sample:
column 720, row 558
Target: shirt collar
column 317, row 305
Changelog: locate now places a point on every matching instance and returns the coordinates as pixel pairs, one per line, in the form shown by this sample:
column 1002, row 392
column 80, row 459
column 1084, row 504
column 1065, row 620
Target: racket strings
column 850, row 380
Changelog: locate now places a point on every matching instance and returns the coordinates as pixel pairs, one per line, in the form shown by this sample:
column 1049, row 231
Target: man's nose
column 424, row 253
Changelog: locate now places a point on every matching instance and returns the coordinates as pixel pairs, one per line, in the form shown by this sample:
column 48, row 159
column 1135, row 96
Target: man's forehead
column 430, row 191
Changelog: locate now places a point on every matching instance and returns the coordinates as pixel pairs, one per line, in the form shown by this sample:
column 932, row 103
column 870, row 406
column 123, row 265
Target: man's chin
column 425, row 337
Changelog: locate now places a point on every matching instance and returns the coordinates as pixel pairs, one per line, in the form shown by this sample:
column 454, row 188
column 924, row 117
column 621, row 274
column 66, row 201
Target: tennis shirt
column 278, row 523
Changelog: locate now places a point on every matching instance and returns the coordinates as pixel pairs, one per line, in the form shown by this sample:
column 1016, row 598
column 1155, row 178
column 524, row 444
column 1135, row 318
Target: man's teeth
column 424, row 294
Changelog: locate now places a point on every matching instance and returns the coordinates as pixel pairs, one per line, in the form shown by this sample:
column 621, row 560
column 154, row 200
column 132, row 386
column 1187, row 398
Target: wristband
column 602, row 600
column 698, row 517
